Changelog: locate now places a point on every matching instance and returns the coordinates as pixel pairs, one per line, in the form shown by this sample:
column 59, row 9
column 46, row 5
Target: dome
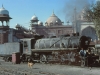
column 17, row 25
column 34, row 18
column 40, row 23
column 53, row 20
column 4, row 11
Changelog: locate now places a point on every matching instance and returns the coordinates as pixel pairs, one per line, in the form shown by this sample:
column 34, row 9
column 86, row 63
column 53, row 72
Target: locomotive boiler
column 55, row 50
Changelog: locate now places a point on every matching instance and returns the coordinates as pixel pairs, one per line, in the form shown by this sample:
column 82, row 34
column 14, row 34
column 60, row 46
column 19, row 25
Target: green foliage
column 93, row 14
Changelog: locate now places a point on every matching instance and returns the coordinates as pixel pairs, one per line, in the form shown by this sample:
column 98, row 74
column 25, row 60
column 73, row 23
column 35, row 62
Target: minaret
column 75, row 20
column 34, row 21
column 4, row 16
column 4, row 27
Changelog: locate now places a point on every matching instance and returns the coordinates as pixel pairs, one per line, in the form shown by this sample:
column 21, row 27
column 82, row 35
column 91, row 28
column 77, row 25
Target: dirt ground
column 7, row 68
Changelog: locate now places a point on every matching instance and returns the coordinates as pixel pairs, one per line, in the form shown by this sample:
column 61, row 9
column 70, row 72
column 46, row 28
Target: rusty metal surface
column 66, row 57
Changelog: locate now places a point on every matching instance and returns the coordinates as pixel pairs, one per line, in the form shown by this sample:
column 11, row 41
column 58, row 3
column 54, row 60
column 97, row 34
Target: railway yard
column 7, row 68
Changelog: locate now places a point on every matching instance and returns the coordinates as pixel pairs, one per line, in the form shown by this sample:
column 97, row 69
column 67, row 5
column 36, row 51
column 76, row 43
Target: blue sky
column 22, row 10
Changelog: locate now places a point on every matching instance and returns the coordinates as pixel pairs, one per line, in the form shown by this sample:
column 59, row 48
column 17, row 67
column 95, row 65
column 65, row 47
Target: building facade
column 8, row 34
column 4, row 29
column 53, row 27
column 83, row 26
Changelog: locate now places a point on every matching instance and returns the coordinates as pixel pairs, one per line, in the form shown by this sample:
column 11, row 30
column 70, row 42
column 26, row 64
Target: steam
column 71, row 5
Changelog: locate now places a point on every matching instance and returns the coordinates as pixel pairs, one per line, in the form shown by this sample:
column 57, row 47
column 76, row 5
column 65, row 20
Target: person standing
column 82, row 52
column 83, row 55
column 90, row 58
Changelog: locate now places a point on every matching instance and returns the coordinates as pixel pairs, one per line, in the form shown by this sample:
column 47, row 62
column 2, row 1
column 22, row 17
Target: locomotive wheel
column 43, row 58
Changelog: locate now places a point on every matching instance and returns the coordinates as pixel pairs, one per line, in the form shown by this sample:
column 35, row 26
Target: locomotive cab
column 28, row 44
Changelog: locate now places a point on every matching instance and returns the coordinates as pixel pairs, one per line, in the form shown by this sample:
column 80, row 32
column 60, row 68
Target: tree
column 93, row 14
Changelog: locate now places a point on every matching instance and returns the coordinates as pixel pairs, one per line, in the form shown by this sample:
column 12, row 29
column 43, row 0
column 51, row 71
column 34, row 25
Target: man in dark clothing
column 90, row 59
column 82, row 54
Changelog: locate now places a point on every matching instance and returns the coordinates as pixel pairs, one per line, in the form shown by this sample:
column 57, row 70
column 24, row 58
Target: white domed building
column 34, row 18
column 53, row 20
column 83, row 26
column 7, row 34
column 4, row 16
column 34, row 21
column 53, row 27
column 4, row 25
column 40, row 23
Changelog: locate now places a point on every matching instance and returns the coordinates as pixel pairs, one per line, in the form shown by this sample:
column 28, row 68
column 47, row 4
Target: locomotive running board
column 52, row 49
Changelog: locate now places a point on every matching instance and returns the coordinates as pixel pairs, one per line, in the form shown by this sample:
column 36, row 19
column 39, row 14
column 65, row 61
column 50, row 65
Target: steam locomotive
column 63, row 49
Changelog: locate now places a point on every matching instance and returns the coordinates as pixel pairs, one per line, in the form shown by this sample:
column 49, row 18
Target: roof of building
column 17, row 25
column 3, row 11
column 34, row 17
column 53, row 20
column 40, row 23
